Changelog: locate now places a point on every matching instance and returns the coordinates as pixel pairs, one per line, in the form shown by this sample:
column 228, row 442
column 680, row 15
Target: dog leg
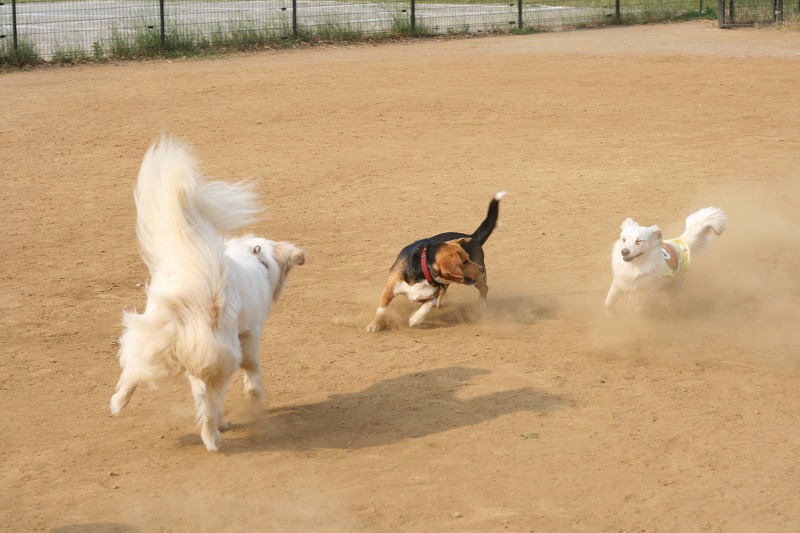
column 222, row 424
column 611, row 298
column 419, row 316
column 147, row 337
column 207, row 412
column 674, row 288
column 386, row 297
column 440, row 296
column 253, row 375
column 135, row 354
column 125, row 387
column 129, row 378
column 483, row 289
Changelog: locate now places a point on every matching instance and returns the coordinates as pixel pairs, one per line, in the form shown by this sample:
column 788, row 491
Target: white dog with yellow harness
column 646, row 267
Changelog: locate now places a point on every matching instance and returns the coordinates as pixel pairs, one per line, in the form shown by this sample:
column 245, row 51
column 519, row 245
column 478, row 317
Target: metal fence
column 733, row 13
column 100, row 29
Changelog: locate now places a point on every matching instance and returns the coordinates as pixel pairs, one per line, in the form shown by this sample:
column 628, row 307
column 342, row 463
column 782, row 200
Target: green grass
column 335, row 30
column 146, row 43
column 66, row 55
column 401, row 27
column 25, row 54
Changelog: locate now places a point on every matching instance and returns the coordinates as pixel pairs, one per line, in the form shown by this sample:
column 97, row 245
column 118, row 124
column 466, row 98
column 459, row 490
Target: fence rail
column 101, row 29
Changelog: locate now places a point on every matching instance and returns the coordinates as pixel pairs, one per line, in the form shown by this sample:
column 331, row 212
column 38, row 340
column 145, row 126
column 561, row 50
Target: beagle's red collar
column 425, row 271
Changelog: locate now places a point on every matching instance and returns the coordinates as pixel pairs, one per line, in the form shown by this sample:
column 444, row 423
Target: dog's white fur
column 638, row 264
column 208, row 297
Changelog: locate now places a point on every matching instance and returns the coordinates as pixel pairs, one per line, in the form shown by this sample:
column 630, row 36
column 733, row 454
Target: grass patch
column 145, row 42
column 24, row 55
column 66, row 55
column 335, row 30
column 526, row 30
column 138, row 44
column 400, row 26
column 650, row 15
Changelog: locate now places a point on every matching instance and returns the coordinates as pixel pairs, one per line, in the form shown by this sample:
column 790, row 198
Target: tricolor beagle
column 425, row 268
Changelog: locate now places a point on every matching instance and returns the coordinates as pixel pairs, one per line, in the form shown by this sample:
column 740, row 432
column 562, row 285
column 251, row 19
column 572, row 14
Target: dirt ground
column 539, row 416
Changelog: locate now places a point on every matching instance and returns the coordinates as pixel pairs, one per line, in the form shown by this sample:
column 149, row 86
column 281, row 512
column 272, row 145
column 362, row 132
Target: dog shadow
column 100, row 527
column 406, row 407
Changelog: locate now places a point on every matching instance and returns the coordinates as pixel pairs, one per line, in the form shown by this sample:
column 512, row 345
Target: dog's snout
column 625, row 252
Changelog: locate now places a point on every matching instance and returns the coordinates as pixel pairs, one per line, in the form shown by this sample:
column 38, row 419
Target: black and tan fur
column 450, row 258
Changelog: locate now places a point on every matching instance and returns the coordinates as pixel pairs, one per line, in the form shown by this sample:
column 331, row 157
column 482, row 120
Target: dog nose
column 625, row 252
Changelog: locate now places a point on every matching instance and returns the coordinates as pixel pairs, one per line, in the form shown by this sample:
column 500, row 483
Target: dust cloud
column 739, row 303
column 741, row 297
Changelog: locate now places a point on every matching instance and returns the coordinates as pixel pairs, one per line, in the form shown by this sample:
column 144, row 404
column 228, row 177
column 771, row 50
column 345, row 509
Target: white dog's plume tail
column 179, row 213
column 181, row 222
column 702, row 226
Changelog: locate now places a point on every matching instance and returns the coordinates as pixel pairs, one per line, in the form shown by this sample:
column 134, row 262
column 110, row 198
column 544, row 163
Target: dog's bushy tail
column 181, row 224
column 702, row 226
column 181, row 217
column 487, row 226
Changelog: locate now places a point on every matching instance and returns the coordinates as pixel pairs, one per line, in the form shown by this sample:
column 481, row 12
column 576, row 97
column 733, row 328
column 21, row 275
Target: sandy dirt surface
column 540, row 416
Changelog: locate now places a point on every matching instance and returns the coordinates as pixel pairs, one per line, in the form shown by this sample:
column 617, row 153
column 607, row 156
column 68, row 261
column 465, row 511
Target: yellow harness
column 677, row 257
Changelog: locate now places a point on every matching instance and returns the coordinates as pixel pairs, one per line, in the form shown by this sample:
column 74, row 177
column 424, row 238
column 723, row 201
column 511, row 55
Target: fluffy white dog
column 648, row 268
column 208, row 297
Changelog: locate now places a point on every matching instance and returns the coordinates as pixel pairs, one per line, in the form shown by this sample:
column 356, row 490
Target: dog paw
column 414, row 322
column 117, row 404
column 254, row 392
column 212, row 442
column 375, row 327
column 252, row 388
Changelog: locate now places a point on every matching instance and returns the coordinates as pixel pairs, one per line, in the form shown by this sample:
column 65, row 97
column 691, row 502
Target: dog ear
column 292, row 253
column 462, row 241
column 656, row 232
column 627, row 222
column 449, row 268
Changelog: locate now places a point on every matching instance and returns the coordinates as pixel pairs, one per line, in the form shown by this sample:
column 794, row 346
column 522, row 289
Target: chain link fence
column 737, row 13
column 65, row 30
